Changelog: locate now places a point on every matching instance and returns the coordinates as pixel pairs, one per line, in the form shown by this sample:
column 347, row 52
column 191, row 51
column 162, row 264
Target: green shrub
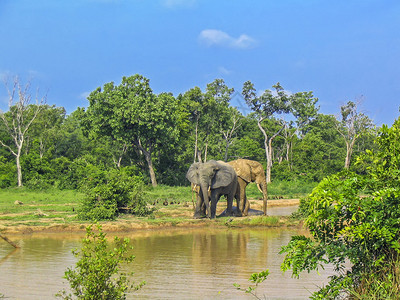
column 8, row 173
column 96, row 274
column 108, row 192
column 355, row 218
column 255, row 278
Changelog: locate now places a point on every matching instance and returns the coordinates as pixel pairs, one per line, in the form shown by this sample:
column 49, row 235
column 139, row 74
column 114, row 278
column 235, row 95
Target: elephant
column 211, row 180
column 250, row 171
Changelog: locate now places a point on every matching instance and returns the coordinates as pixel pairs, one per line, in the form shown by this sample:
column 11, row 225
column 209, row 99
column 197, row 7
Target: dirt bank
column 178, row 216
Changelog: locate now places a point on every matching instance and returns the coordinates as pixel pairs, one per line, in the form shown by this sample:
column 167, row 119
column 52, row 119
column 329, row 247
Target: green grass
column 257, row 221
column 38, row 204
column 281, row 189
column 61, row 206
column 169, row 193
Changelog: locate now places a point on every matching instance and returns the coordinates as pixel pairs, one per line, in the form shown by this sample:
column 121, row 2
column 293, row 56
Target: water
column 176, row 264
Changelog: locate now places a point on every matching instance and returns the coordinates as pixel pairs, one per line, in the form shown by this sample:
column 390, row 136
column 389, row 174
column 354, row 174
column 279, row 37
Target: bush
column 94, row 276
column 8, row 172
column 355, row 218
column 109, row 192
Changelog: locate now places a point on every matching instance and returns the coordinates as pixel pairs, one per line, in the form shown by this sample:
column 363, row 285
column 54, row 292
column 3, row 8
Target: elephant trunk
column 263, row 189
column 205, row 190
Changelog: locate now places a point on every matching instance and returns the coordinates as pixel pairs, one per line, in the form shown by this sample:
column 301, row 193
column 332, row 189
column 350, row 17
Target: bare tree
column 228, row 133
column 351, row 126
column 19, row 118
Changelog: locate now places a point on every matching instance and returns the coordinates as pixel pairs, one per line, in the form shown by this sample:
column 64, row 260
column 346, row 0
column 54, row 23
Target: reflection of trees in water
column 230, row 252
column 209, row 251
column 237, row 250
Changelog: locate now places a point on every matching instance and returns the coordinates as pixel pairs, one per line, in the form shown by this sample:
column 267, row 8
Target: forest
column 156, row 137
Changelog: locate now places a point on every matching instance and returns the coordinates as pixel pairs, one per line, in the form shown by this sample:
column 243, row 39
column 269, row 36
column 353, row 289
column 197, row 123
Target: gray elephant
column 211, row 180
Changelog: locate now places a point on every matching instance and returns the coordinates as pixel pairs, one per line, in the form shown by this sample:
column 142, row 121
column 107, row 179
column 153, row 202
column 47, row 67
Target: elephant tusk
column 209, row 191
column 259, row 188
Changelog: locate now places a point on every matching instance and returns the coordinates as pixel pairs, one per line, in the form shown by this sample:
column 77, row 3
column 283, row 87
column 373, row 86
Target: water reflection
column 204, row 264
column 176, row 264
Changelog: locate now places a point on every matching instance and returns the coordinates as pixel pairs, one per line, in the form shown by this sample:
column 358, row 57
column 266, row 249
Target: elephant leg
column 200, row 211
column 242, row 197
column 242, row 185
column 229, row 200
column 213, row 207
column 238, row 212
column 246, row 206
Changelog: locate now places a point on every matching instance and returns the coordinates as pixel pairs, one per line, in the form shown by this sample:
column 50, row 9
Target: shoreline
column 132, row 223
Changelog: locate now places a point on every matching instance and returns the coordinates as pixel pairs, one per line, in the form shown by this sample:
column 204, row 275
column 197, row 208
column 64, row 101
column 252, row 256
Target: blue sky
column 341, row 50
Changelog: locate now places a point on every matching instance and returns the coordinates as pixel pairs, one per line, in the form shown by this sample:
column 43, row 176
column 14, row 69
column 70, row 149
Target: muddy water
column 176, row 264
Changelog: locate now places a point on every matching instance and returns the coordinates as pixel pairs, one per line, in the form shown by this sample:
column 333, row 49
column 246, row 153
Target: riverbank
column 175, row 215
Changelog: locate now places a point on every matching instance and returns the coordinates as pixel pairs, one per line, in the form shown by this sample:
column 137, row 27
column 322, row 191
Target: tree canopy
column 158, row 136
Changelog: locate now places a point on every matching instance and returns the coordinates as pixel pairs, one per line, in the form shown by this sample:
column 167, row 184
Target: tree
column 230, row 129
column 319, row 152
column 354, row 218
column 209, row 115
column 219, row 117
column 352, row 125
column 45, row 129
column 194, row 101
column 265, row 106
column 18, row 119
column 131, row 114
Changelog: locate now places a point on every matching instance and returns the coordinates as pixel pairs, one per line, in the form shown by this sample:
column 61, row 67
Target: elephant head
column 213, row 179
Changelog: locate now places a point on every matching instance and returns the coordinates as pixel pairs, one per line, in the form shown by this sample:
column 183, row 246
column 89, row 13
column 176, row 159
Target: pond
column 176, row 264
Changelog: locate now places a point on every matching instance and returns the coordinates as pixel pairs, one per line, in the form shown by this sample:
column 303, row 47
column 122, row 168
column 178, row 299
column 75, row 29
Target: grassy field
column 21, row 206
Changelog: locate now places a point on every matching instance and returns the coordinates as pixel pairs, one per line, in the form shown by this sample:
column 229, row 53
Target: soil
column 173, row 215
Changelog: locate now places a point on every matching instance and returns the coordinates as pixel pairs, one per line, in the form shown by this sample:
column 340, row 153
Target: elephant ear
column 193, row 173
column 224, row 175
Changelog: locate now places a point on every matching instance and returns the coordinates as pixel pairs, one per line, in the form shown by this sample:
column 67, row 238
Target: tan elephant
column 250, row 171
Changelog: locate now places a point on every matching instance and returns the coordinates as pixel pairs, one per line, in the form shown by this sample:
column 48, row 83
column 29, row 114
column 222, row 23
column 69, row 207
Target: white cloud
column 224, row 71
column 216, row 37
column 84, row 95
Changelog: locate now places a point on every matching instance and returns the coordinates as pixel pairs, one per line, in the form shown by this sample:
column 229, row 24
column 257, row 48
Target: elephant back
column 242, row 169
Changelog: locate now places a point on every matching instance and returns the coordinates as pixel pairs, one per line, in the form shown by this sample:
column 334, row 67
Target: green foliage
column 131, row 114
column 127, row 125
column 282, row 189
column 319, row 153
column 109, row 192
column 7, row 173
column 255, row 278
column 97, row 273
column 354, row 218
